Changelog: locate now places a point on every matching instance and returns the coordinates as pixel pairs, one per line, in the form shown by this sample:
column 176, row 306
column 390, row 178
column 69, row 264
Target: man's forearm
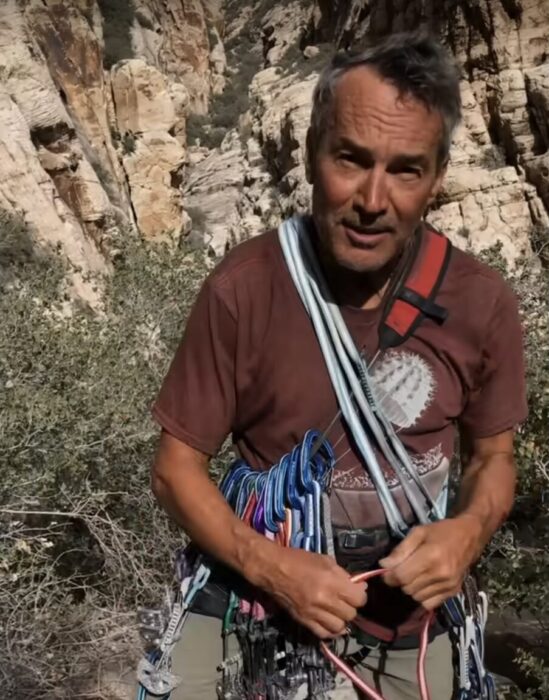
column 195, row 503
column 486, row 495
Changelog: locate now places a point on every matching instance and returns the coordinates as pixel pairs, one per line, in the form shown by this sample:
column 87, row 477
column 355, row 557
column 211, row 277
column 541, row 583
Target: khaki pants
column 392, row 673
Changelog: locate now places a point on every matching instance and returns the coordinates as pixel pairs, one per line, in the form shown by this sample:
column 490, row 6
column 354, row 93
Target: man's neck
column 363, row 290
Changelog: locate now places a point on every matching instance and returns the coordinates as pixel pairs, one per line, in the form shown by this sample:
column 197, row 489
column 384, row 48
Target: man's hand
column 315, row 591
column 431, row 563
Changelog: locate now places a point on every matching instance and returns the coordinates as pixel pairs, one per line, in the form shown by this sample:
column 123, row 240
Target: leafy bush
column 16, row 244
column 293, row 60
column 118, row 18
column 200, row 130
column 83, row 543
column 517, row 562
column 244, row 60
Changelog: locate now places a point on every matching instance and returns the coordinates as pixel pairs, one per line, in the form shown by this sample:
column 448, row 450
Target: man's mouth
column 364, row 235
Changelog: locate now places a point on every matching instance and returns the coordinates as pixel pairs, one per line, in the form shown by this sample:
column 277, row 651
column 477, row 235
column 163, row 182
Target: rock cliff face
column 190, row 117
column 93, row 104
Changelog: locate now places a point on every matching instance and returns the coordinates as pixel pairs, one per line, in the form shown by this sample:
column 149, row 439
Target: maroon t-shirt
column 249, row 365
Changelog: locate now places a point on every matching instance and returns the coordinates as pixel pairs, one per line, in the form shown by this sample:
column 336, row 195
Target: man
column 249, row 364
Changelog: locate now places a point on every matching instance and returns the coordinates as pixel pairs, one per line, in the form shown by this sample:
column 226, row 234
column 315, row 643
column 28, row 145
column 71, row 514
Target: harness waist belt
column 410, row 641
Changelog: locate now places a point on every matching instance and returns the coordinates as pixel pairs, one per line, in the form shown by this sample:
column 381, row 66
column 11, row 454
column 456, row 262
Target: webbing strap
column 350, row 381
column 415, row 299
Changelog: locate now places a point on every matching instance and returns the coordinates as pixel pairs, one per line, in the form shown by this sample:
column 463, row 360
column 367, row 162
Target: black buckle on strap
column 426, row 306
column 357, row 539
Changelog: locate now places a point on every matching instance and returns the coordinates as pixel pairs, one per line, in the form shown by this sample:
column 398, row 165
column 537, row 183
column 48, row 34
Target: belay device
column 289, row 504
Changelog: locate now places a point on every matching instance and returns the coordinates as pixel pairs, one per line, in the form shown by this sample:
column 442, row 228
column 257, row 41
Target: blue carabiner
column 279, row 504
column 297, row 533
column 323, row 463
column 232, row 478
column 317, row 511
column 454, row 609
column 305, row 473
column 258, row 519
column 269, row 500
column 309, row 523
column 247, row 484
column 292, row 495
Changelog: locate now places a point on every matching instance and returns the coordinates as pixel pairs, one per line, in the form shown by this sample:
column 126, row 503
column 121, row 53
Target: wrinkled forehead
column 372, row 111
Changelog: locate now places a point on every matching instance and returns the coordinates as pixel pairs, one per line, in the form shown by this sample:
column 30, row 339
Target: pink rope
column 356, row 680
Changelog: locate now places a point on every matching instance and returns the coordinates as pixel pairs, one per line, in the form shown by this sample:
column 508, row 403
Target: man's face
column 374, row 171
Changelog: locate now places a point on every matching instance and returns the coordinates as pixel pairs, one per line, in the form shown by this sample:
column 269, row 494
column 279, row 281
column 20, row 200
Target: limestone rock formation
column 97, row 98
column 146, row 117
column 173, row 36
column 497, row 187
column 43, row 170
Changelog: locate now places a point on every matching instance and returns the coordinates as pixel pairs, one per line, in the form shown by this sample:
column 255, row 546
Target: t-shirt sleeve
column 196, row 402
column 499, row 401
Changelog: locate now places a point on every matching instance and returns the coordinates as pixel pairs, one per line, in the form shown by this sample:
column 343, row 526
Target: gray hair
column 415, row 63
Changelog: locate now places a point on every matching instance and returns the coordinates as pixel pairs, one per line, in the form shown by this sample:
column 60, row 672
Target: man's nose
column 374, row 192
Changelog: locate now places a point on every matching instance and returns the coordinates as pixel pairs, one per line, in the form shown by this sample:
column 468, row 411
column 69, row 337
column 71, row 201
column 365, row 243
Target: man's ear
column 310, row 148
column 437, row 183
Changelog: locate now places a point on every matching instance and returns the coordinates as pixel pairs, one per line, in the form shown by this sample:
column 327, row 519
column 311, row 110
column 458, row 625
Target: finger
column 425, row 581
column 414, row 568
column 420, row 569
column 436, row 601
column 334, row 625
column 318, row 630
column 341, row 609
column 432, row 577
column 407, row 547
column 433, row 596
column 353, row 594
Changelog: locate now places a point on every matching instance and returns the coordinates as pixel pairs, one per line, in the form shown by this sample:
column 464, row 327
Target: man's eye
column 409, row 172
column 347, row 157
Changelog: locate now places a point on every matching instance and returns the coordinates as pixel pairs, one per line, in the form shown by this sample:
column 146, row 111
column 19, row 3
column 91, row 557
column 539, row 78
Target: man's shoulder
column 256, row 257
column 476, row 276
column 476, row 292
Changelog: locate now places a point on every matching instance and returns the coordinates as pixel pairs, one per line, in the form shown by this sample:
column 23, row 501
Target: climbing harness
column 289, row 504
column 162, row 628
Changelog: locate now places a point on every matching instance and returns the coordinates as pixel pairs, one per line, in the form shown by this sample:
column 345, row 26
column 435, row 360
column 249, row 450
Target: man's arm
column 432, row 561
column 487, row 489
column 312, row 587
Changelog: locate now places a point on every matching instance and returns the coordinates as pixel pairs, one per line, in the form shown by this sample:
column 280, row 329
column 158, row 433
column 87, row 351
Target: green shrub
column 539, row 237
column 195, row 127
column 83, row 543
column 200, row 130
column 118, row 18
column 244, row 60
column 16, row 244
column 293, row 61
column 517, row 562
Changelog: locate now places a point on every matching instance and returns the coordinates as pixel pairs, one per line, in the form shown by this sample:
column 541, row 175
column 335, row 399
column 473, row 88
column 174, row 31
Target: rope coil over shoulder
column 289, row 504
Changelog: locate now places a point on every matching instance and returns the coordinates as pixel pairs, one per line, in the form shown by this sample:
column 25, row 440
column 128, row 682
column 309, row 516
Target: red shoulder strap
column 414, row 298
